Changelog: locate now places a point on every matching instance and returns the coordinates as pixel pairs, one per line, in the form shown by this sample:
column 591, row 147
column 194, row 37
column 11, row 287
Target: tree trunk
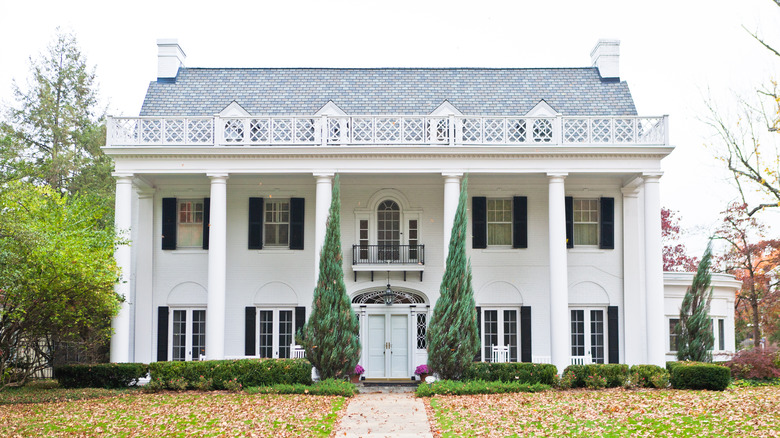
column 756, row 327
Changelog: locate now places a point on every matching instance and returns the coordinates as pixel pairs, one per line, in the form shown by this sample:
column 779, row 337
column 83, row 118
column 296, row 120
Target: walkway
column 385, row 415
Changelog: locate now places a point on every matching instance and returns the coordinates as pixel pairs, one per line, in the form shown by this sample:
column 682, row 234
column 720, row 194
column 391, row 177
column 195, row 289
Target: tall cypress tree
column 452, row 334
column 332, row 333
column 694, row 330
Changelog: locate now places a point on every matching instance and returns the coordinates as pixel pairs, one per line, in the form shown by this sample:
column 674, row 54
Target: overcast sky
column 674, row 53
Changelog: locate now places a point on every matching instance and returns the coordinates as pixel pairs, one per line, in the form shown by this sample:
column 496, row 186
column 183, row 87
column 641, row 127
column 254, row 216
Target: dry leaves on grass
column 616, row 412
column 176, row 414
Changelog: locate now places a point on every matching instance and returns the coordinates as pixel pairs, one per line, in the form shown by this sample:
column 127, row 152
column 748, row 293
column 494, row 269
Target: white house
column 224, row 183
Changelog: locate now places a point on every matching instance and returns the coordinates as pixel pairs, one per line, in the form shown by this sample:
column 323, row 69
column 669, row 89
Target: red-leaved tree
column 676, row 258
column 753, row 260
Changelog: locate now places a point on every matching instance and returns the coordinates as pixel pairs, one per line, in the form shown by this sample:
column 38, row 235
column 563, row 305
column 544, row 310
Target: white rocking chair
column 500, row 354
column 297, row 352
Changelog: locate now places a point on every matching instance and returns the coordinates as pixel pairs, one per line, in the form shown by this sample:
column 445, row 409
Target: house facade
column 224, row 183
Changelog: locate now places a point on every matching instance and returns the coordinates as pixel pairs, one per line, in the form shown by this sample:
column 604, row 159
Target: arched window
column 388, row 218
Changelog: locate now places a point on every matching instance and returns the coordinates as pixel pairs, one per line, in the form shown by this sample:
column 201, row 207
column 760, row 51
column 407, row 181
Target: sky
column 675, row 55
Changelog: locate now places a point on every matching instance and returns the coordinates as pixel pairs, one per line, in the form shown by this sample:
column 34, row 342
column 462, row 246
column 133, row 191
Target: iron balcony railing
column 387, row 130
column 388, row 254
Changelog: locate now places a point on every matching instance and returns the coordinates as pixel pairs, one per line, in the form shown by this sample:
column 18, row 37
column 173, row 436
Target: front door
column 388, row 346
column 587, row 336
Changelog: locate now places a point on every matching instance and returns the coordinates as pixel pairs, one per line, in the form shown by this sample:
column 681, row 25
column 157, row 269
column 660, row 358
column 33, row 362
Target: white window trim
column 276, row 247
column 179, row 201
column 511, row 223
column 189, row 356
column 597, row 223
column 587, row 321
column 500, row 334
column 275, row 346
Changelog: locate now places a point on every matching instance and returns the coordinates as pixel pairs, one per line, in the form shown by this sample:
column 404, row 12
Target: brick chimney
column 169, row 58
column 606, row 57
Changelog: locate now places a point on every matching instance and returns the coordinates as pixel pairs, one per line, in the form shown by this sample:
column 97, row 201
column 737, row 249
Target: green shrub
column 325, row 387
column 615, row 374
column 511, row 372
column 470, row 387
column 102, row 375
column 228, row 374
column 697, row 375
column 648, row 376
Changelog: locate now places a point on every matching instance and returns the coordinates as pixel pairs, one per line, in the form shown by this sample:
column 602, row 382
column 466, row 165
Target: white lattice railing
column 386, row 130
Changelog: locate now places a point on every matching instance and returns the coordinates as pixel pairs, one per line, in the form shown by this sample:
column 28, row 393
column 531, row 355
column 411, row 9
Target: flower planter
column 423, row 376
column 355, row 378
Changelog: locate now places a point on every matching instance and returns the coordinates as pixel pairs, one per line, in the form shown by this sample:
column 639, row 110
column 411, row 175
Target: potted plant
column 423, row 371
column 358, row 372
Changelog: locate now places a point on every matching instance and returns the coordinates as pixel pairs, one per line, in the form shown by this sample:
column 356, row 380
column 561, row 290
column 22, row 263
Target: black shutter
column 162, row 333
column 169, row 223
column 612, row 334
column 250, row 330
column 520, row 222
column 479, row 333
column 296, row 223
column 255, row 223
column 525, row 334
column 607, row 223
column 206, row 221
column 300, row 319
column 569, row 201
column 478, row 222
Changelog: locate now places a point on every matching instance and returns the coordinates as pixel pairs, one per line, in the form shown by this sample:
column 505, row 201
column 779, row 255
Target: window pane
column 673, row 339
column 266, row 333
column 510, row 333
column 190, row 226
column 421, row 331
column 490, row 336
column 179, row 335
column 597, row 336
column 578, row 333
column 277, row 223
column 285, row 332
column 198, row 334
column 721, row 335
column 586, row 221
column 499, row 221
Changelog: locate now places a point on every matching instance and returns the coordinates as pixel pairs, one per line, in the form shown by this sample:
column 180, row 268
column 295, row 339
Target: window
column 721, row 334
column 586, row 221
column 422, row 327
column 388, row 221
column 674, row 338
column 277, row 222
column 500, row 327
column 190, row 223
column 188, row 334
column 499, row 221
column 275, row 330
column 588, row 334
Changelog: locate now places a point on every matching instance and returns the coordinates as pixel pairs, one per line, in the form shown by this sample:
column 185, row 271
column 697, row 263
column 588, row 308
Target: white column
column 217, row 271
column 123, row 216
column 559, row 283
column 654, row 279
column 634, row 323
column 451, row 197
column 324, row 194
column 144, row 284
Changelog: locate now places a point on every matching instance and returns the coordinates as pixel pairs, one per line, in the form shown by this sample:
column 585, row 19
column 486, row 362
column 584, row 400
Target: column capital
column 630, row 192
column 557, row 176
column 454, row 174
column 123, row 177
column 215, row 177
column 652, row 176
column 324, row 175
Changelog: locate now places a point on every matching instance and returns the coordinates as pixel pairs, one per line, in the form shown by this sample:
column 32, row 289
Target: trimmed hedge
column 101, row 375
column 649, row 376
column 325, row 387
column 615, row 374
column 511, row 372
column 697, row 375
column 247, row 372
column 470, row 387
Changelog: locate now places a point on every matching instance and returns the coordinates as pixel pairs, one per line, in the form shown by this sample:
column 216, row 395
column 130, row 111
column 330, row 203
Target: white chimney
column 606, row 56
column 169, row 58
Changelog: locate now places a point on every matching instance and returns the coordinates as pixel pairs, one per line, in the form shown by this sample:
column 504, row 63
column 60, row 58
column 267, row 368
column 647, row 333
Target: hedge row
column 470, row 387
column 697, row 375
column 511, row 372
column 612, row 375
column 224, row 374
column 102, row 375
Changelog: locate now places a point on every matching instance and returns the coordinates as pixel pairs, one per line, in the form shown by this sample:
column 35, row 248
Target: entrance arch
column 393, row 336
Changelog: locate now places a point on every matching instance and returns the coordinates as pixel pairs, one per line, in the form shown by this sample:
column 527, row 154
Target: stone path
column 384, row 415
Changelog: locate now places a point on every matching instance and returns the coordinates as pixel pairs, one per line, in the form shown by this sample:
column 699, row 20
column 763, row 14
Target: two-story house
column 225, row 179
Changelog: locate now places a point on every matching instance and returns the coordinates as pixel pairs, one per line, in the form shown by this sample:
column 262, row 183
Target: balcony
column 370, row 258
column 388, row 130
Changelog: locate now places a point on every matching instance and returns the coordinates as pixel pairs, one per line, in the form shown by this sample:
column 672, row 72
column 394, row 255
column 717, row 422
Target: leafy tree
column 675, row 255
column 55, row 131
column 452, row 334
column 694, row 330
column 332, row 333
column 753, row 260
column 748, row 143
column 57, row 276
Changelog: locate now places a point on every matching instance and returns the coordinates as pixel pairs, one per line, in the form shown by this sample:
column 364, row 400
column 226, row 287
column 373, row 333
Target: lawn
column 133, row 413
column 615, row 412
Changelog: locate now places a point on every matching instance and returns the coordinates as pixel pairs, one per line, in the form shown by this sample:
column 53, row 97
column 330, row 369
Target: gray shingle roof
column 414, row 91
